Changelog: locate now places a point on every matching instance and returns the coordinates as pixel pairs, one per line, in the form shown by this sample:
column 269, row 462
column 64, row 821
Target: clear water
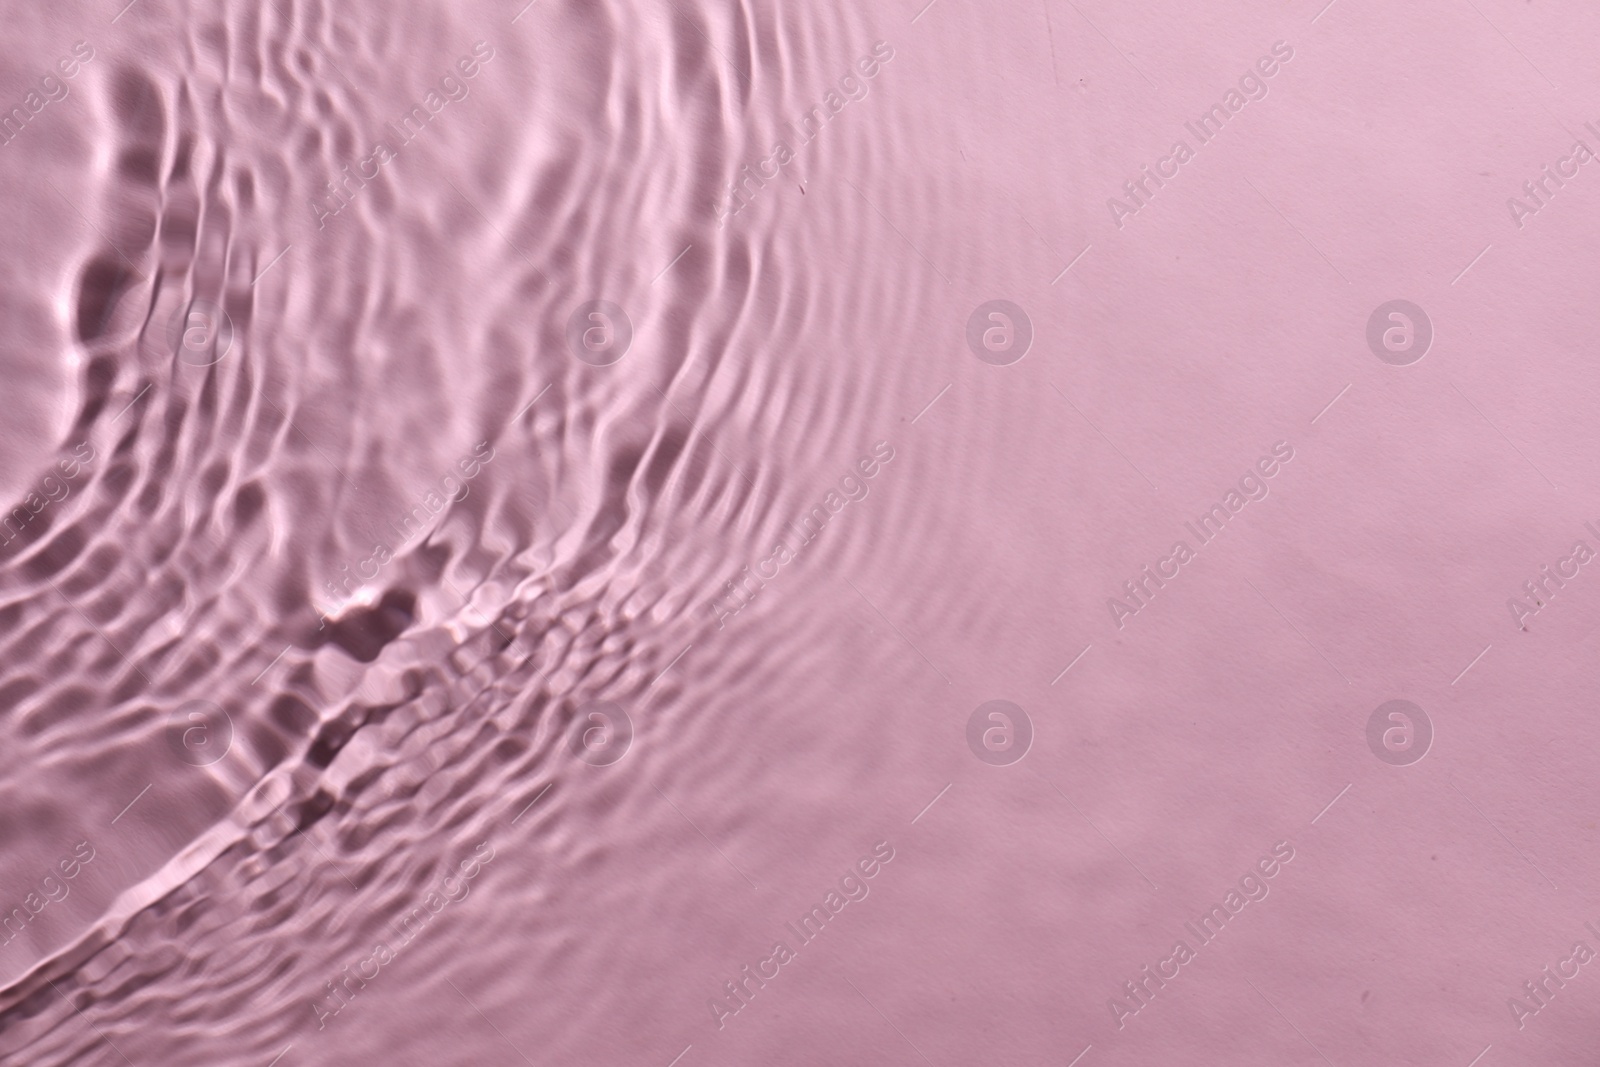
column 519, row 516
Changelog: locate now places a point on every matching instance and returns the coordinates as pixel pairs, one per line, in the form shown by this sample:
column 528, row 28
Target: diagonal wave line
column 1285, row 1018
column 1471, row 665
column 1503, row 437
column 890, row 1021
column 1474, row 263
column 308, row 839
column 531, row 803
column 930, row 403
column 88, row 1020
column 1330, row 404
column 103, row 635
column 1514, row 48
column 1503, row 837
column 1103, row 437
column 702, row 833
column 486, row 1019
column 131, row 265
column 1069, row 266
column 668, row 667
column 932, row 802
column 131, row 803
column 1069, row 666
column 674, row 263
column 269, row 266
column 707, row 438
column 1297, row 630
column 896, row 229
column 132, row 402
column 897, row 630
column 1113, row 45
column 1296, row 229
column 1096, row 829
column 1331, row 803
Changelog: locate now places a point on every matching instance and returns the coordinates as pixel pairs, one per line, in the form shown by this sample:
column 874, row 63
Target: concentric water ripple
column 686, row 533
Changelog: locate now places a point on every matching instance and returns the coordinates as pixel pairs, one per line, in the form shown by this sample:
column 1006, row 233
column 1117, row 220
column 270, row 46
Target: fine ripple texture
column 508, row 510
column 281, row 368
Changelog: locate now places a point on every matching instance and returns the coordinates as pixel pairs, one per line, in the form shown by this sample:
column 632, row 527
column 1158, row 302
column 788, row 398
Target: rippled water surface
column 597, row 532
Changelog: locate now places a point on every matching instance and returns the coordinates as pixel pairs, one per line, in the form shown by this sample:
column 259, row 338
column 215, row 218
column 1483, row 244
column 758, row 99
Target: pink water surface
column 681, row 534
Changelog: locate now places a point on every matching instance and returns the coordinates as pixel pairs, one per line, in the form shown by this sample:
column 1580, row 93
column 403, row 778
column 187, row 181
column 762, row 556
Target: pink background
column 380, row 735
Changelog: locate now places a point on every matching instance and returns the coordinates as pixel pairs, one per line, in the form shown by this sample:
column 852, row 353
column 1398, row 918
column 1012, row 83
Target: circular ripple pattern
column 515, row 520
column 350, row 544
